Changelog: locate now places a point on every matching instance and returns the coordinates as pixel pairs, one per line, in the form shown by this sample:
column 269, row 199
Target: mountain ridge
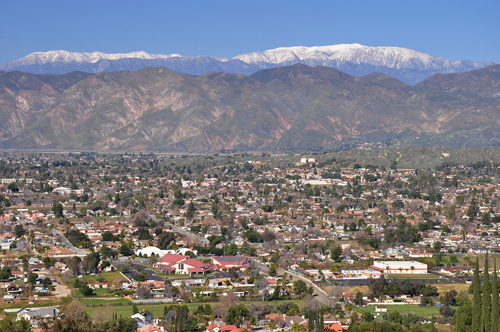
column 409, row 66
column 280, row 109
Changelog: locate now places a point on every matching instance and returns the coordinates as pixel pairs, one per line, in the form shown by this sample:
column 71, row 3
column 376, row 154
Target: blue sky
column 463, row 30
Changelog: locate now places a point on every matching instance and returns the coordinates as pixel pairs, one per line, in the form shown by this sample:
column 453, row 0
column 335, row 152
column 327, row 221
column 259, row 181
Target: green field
column 96, row 301
column 98, row 292
column 404, row 309
column 24, row 304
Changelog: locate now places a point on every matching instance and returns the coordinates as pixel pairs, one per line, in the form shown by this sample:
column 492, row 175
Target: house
column 68, row 191
column 149, row 328
column 192, row 266
column 421, row 254
column 380, row 308
column 32, row 315
column 337, row 327
column 14, row 290
column 5, row 245
column 168, row 262
column 144, row 316
column 230, row 262
column 284, row 321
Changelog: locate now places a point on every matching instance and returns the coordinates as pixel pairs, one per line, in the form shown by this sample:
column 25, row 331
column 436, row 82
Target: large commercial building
column 397, row 267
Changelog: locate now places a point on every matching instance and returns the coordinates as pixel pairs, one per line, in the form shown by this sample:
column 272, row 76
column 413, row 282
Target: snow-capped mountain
column 408, row 65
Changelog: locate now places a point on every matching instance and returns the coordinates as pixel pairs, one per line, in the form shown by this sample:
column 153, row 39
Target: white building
column 68, row 191
column 396, row 267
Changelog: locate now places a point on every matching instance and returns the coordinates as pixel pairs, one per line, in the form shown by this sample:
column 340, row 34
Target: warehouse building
column 397, row 267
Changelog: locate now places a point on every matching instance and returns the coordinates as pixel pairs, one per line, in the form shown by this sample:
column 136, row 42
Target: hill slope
column 287, row 108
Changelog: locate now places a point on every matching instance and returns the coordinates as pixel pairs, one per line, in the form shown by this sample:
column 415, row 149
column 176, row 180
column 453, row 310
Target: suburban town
column 244, row 243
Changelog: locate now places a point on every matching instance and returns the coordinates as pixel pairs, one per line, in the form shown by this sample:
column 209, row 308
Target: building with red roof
column 230, row 262
column 169, row 261
column 192, row 266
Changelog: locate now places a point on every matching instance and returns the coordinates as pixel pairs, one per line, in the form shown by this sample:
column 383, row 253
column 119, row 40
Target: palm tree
column 412, row 268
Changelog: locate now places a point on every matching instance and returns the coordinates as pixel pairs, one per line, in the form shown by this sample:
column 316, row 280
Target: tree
column 19, row 231
column 463, row 316
column 315, row 323
column 86, row 290
column 10, row 324
column 92, row 261
column 450, row 297
column 447, row 311
column 191, row 210
column 336, row 252
column 125, row 250
column 46, row 282
column 486, row 303
column 32, row 278
column 476, row 301
column 358, row 300
column 272, row 270
column 57, row 208
column 236, row 315
column 108, row 236
column 300, row 287
column 143, row 292
column 141, row 277
column 495, row 305
column 5, row 273
column 134, row 309
column 262, row 284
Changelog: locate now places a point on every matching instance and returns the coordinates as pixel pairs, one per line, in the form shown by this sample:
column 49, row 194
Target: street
column 61, row 239
column 319, row 294
column 179, row 230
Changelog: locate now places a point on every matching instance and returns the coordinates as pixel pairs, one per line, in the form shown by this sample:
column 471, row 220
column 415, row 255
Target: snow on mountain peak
column 62, row 56
column 393, row 57
column 405, row 64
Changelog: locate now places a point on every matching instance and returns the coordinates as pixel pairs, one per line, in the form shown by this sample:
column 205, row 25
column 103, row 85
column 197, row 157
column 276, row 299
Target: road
column 61, row 239
column 179, row 230
column 319, row 294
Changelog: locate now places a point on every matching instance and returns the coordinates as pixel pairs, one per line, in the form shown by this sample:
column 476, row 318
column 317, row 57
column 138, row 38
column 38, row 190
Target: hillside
column 283, row 109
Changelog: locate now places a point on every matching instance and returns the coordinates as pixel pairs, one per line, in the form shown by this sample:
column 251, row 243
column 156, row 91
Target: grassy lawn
column 98, row 292
column 443, row 288
column 108, row 276
column 441, row 327
column 24, row 304
column 404, row 309
column 412, row 276
column 112, row 276
column 355, row 289
column 91, row 301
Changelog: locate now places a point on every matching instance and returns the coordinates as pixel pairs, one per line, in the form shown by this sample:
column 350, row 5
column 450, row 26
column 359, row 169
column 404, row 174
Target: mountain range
column 280, row 109
column 407, row 65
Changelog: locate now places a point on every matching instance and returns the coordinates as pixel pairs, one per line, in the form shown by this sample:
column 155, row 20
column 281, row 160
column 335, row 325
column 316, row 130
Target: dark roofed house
column 32, row 315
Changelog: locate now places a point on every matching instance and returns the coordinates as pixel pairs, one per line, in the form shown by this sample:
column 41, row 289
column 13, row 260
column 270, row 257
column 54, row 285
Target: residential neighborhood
column 241, row 242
